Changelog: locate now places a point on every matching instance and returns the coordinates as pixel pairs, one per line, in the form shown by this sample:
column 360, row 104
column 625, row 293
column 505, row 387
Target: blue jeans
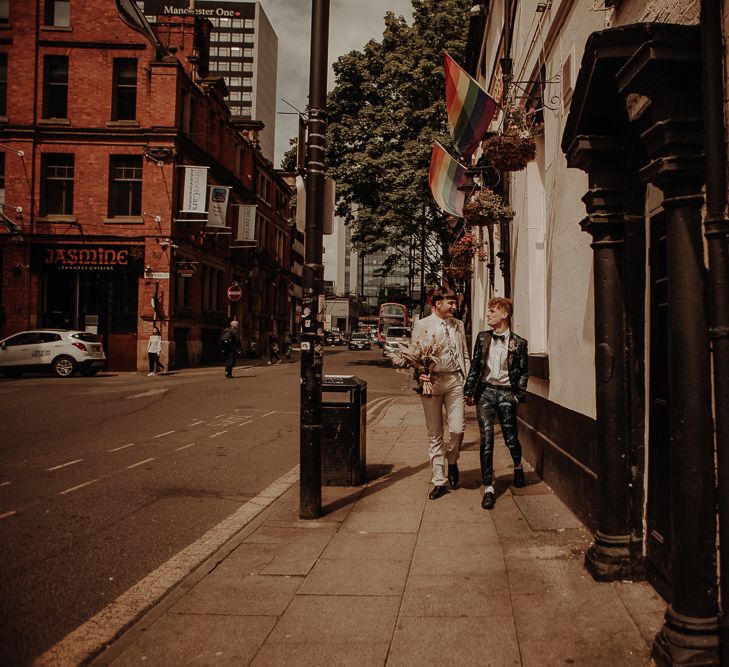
column 494, row 402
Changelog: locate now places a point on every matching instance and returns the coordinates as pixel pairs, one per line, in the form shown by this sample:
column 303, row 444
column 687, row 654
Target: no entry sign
column 235, row 292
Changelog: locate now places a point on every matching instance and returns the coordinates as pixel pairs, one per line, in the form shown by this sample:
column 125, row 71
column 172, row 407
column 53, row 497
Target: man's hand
column 424, row 377
column 470, row 400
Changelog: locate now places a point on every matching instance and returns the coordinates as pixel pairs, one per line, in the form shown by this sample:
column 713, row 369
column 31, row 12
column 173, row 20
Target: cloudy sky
column 352, row 23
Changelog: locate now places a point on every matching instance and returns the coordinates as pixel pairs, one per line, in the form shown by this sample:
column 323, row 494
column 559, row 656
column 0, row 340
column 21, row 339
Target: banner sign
column 247, row 223
column 207, row 8
column 218, row 205
column 91, row 257
column 196, row 182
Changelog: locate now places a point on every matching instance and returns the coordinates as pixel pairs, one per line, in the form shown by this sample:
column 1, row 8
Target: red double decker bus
column 391, row 315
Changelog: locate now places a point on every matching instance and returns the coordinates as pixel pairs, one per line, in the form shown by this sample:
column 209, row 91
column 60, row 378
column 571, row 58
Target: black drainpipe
column 716, row 230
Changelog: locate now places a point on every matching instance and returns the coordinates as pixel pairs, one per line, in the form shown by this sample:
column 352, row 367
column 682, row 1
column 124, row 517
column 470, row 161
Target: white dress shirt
column 446, row 338
column 498, row 360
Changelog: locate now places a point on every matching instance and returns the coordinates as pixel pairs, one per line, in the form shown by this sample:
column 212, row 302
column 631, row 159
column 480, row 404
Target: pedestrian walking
column 497, row 383
column 154, row 349
column 273, row 348
column 447, row 377
column 230, row 345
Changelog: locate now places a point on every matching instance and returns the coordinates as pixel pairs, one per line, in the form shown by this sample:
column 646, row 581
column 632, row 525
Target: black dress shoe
column 519, row 480
column 488, row 501
column 437, row 492
column 453, row 475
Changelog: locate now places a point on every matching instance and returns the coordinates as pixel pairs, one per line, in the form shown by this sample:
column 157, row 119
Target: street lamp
column 312, row 349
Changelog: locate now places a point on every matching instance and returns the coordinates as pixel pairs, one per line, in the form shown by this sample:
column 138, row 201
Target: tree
column 387, row 108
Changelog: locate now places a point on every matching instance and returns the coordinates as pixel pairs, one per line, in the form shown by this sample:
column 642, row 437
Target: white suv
column 57, row 350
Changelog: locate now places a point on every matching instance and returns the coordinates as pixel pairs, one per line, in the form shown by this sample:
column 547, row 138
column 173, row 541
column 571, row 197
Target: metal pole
column 507, row 76
column 422, row 269
column 716, row 230
column 312, row 356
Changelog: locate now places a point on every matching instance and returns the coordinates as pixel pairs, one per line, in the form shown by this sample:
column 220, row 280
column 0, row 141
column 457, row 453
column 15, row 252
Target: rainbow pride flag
column 470, row 108
column 446, row 174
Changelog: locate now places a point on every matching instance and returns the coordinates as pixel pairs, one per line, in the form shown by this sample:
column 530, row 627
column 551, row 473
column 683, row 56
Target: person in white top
column 448, row 376
column 154, row 349
column 497, row 384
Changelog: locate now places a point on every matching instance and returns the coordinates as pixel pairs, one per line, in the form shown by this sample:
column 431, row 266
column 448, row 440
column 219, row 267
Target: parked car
column 394, row 337
column 62, row 352
column 359, row 341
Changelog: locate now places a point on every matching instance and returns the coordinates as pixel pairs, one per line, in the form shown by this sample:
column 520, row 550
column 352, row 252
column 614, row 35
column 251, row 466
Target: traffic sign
column 235, row 293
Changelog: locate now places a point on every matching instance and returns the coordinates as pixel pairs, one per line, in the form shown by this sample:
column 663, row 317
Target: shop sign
column 91, row 257
column 218, row 205
column 193, row 198
column 247, row 223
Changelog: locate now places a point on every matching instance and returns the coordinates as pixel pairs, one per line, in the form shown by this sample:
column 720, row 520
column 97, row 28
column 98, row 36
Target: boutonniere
column 512, row 344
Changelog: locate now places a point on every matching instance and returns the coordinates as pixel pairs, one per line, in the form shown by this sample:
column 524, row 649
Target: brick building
column 100, row 115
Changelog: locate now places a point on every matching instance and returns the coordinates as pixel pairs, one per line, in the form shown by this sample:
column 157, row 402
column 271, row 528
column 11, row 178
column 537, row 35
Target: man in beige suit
column 448, row 376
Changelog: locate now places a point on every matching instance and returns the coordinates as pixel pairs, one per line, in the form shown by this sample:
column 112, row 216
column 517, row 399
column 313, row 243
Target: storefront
column 93, row 287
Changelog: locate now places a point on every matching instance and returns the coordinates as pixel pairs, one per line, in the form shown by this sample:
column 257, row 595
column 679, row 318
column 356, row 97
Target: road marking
column 215, row 435
column 139, row 463
column 196, row 423
column 116, row 449
column 7, row 514
column 5, row 483
column 100, row 630
column 273, row 412
column 245, row 423
column 151, row 392
column 179, row 449
column 76, row 488
column 162, row 435
column 218, row 416
column 63, row 465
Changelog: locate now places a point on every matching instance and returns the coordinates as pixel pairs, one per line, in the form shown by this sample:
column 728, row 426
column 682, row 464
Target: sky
column 352, row 23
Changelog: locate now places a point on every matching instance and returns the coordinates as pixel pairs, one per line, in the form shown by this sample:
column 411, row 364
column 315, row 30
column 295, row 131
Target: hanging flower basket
column 485, row 207
column 515, row 147
column 458, row 272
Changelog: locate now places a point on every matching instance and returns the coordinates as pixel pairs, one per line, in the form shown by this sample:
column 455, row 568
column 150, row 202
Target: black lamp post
column 312, row 349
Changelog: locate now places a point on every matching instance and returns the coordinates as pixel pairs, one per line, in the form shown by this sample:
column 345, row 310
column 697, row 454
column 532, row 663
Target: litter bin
column 343, row 432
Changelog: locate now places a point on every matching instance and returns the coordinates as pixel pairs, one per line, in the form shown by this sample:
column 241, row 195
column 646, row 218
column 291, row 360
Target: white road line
column 179, row 449
column 5, row 483
column 7, row 514
column 215, row 435
column 116, row 449
column 63, row 465
column 245, row 423
column 273, row 412
column 100, row 630
column 196, row 423
column 223, row 415
column 139, row 463
column 161, row 435
column 76, row 488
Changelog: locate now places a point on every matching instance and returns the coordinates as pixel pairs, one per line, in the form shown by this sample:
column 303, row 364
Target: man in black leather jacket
column 497, row 383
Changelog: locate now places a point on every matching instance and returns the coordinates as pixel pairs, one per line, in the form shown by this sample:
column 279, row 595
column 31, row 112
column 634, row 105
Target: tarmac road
column 104, row 479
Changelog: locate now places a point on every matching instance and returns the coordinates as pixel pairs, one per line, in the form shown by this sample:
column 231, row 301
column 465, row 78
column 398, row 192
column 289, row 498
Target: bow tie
column 499, row 336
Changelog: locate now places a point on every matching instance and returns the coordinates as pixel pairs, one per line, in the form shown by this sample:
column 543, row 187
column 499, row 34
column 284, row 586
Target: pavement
column 388, row 577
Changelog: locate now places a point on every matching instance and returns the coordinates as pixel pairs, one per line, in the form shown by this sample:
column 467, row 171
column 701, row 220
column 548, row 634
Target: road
column 104, row 479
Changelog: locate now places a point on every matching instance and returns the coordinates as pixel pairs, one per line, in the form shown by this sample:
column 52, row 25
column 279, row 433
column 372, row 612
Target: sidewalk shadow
column 378, row 478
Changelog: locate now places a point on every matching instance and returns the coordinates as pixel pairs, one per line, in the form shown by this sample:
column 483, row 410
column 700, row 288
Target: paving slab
column 316, row 655
column 456, row 595
column 469, row 536
column 487, row 642
column 356, row 577
column 546, row 512
column 371, row 546
column 445, row 559
column 336, row 619
column 184, row 639
column 226, row 592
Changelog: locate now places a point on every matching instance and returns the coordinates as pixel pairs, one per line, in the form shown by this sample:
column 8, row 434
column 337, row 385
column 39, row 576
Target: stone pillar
column 668, row 76
column 611, row 556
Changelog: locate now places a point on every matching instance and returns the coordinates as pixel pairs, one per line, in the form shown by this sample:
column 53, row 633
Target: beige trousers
column 448, row 395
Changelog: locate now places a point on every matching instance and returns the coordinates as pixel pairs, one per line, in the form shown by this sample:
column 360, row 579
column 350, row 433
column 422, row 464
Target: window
column 224, row 51
column 235, row 67
column 55, row 87
column 124, row 98
column 213, row 50
column 58, row 13
column 4, row 11
column 3, row 84
column 223, row 67
column 224, row 37
column 125, row 185
column 57, row 174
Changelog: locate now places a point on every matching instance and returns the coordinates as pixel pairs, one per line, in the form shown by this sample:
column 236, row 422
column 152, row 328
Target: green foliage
column 387, row 108
column 288, row 161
